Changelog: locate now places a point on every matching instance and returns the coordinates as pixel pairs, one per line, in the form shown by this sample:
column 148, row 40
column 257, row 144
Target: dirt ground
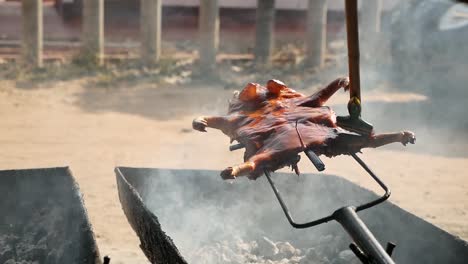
column 92, row 130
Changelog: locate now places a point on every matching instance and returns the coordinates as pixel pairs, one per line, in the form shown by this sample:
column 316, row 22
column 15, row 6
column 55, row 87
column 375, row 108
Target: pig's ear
column 249, row 92
column 275, row 86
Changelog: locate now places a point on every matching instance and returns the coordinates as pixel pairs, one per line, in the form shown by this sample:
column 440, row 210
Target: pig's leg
column 246, row 168
column 238, row 170
column 403, row 137
column 202, row 122
column 320, row 97
column 346, row 143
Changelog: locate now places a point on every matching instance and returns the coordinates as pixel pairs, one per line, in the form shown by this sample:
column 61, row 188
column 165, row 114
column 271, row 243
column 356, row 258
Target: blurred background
column 93, row 84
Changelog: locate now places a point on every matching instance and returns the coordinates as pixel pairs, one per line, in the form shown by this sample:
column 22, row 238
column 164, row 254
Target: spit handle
column 352, row 33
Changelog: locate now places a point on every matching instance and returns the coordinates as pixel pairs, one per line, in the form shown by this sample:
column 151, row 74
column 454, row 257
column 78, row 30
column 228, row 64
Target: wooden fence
column 150, row 30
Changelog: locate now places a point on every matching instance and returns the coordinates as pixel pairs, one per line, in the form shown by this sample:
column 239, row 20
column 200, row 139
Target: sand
column 93, row 129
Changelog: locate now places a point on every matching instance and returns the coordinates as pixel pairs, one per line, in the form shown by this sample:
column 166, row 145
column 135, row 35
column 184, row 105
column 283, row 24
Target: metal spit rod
column 357, row 229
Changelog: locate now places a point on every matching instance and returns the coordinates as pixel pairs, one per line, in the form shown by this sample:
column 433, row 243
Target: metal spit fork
column 365, row 246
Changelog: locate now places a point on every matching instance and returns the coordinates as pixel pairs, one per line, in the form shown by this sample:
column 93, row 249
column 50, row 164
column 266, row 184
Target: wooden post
column 369, row 23
column 150, row 30
column 32, row 32
column 316, row 36
column 93, row 31
column 352, row 37
column 208, row 25
column 371, row 11
column 264, row 36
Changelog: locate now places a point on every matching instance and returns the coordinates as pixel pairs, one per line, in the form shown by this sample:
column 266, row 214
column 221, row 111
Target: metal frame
column 330, row 217
column 368, row 249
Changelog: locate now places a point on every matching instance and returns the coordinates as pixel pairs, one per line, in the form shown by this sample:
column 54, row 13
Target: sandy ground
column 92, row 130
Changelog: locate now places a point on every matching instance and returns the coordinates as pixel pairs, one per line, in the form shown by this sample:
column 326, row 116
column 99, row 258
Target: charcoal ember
column 325, row 239
column 296, row 259
column 312, row 256
column 329, row 245
column 267, row 248
column 38, row 238
column 286, row 250
column 52, row 257
column 217, row 253
column 346, row 257
column 6, row 253
column 29, row 251
column 261, row 251
column 43, row 219
column 244, row 247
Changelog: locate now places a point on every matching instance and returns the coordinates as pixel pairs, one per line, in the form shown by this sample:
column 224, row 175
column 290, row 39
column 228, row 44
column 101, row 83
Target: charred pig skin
column 275, row 123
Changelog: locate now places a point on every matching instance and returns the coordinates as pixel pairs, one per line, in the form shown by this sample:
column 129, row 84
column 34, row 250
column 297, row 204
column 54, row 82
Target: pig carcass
column 275, row 123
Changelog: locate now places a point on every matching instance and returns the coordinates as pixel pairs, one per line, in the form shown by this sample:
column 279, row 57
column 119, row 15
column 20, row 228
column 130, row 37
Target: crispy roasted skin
column 275, row 123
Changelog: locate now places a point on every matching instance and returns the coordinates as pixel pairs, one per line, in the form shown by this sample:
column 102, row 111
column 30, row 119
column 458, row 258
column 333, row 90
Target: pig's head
column 255, row 96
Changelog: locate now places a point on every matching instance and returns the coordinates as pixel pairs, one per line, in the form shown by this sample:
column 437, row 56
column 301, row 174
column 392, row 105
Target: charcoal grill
column 43, row 218
column 157, row 201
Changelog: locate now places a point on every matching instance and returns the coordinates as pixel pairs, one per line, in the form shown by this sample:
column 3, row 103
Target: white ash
column 263, row 251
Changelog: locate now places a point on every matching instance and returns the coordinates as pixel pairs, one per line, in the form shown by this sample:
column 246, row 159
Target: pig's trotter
column 227, row 174
column 238, row 170
column 200, row 124
column 408, row 137
column 344, row 82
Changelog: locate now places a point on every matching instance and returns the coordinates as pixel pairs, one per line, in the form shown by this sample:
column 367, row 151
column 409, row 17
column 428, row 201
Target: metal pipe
column 361, row 235
column 318, row 163
column 236, row 146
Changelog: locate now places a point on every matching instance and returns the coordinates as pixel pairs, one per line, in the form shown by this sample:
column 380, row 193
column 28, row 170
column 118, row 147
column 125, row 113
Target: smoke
column 420, row 50
column 200, row 213
column 411, row 55
column 208, row 217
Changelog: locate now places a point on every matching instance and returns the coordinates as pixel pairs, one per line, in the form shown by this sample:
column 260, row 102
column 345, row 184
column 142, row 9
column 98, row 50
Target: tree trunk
column 371, row 11
column 370, row 27
column 150, row 30
column 32, row 32
column 264, row 36
column 316, row 36
column 93, row 31
column 209, row 34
